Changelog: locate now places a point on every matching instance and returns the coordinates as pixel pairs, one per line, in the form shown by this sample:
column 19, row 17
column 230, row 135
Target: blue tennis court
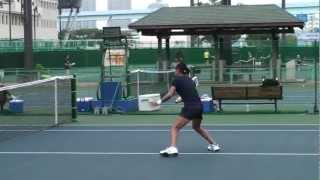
column 286, row 152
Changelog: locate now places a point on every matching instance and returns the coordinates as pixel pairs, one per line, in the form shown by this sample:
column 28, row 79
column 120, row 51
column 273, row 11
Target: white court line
column 169, row 124
column 151, row 153
column 143, row 125
column 161, row 130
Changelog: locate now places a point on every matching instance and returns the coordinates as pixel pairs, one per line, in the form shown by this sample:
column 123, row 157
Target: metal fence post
column 316, row 66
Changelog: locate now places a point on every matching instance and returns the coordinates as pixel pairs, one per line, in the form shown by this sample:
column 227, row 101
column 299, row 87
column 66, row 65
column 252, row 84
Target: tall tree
column 191, row 2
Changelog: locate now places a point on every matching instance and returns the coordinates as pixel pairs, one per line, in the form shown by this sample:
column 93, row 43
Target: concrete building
column 309, row 13
column 118, row 5
column 157, row 5
column 44, row 19
column 86, row 5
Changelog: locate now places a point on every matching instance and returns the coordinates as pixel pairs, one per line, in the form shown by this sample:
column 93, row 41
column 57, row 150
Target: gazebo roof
column 241, row 19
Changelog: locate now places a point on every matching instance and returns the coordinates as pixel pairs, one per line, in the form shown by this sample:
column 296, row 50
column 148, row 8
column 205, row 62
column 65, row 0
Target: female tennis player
column 185, row 87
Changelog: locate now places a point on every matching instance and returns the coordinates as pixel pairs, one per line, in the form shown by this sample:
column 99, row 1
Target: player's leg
column 196, row 125
column 175, row 129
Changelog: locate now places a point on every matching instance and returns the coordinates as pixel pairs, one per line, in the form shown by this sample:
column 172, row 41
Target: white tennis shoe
column 214, row 147
column 169, row 151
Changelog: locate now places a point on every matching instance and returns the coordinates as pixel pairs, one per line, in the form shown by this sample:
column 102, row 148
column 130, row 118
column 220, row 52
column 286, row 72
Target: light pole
column 27, row 13
column 192, row 37
column 283, row 6
column 10, row 28
column 60, row 23
column 35, row 13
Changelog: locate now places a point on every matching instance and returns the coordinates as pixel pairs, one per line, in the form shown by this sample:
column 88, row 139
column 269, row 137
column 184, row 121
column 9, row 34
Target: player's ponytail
column 183, row 68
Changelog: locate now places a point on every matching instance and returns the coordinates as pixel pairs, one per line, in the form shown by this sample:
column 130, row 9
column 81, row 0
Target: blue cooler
column 16, row 106
column 207, row 105
column 84, row 104
column 127, row 105
column 97, row 104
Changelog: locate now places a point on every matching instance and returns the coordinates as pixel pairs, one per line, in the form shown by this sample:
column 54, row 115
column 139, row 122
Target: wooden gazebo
column 217, row 21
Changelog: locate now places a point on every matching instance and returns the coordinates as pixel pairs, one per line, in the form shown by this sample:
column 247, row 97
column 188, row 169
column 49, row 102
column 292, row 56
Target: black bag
column 270, row 82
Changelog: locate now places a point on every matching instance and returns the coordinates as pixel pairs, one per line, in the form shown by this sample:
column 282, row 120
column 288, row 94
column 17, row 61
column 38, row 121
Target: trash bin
column 16, row 106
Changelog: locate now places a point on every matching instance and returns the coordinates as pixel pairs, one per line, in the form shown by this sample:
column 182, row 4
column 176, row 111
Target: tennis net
column 37, row 105
column 149, row 82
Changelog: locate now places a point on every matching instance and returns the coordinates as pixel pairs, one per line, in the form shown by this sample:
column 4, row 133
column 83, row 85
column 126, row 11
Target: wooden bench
column 273, row 93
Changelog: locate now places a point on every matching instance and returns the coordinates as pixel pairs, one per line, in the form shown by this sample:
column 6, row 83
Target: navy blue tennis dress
column 186, row 89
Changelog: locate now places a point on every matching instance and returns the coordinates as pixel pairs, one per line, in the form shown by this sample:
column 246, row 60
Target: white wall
column 46, row 23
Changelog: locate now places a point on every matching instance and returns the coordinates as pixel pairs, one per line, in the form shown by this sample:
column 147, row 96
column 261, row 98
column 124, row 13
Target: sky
column 143, row 4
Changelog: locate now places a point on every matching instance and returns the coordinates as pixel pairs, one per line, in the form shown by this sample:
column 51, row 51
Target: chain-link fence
column 297, row 74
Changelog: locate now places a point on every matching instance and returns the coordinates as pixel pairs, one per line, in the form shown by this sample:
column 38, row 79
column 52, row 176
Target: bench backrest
column 244, row 93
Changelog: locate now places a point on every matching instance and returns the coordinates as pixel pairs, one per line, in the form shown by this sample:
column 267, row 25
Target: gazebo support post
column 160, row 56
column 275, row 56
column 167, row 60
column 220, row 60
column 216, row 59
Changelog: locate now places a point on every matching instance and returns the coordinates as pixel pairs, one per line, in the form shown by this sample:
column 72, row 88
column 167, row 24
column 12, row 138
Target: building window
column 20, row 20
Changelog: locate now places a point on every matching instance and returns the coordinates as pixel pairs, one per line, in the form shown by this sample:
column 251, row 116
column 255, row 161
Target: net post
column 138, row 84
column 56, row 102
column 74, row 98
column 168, row 81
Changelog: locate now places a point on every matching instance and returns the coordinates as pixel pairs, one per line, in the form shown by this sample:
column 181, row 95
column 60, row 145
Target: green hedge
column 90, row 58
column 195, row 55
column 52, row 59
column 149, row 56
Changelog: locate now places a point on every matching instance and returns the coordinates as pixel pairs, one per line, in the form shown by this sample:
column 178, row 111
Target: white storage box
column 144, row 102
